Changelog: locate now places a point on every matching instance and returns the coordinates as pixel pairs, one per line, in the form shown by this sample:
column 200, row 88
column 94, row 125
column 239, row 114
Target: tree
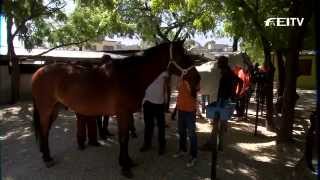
column 254, row 50
column 164, row 20
column 245, row 19
column 30, row 19
column 299, row 8
column 88, row 24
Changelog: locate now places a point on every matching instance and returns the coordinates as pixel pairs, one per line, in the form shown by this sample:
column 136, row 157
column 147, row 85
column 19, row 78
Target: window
column 305, row 67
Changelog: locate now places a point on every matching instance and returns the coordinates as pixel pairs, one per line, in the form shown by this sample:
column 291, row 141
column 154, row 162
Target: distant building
column 209, row 50
column 213, row 47
column 110, row 45
column 105, row 45
column 307, row 69
column 192, row 44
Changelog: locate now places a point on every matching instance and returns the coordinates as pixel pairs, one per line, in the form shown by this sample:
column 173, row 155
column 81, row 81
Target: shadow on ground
column 244, row 157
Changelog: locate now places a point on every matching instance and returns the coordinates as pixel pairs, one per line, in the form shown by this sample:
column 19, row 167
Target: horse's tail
column 36, row 121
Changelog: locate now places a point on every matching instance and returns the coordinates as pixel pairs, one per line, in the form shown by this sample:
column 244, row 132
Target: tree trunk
column 235, row 44
column 288, row 104
column 14, row 67
column 268, row 90
column 317, row 30
column 299, row 8
column 281, row 72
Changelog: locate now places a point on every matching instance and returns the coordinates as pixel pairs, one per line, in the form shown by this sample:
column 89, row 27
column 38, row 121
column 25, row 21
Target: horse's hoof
column 127, row 173
column 49, row 163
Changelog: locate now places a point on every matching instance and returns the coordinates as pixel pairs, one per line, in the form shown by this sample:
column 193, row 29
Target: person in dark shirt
column 227, row 90
column 228, row 81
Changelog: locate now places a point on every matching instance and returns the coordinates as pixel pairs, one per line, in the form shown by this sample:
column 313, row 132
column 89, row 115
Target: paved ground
column 245, row 157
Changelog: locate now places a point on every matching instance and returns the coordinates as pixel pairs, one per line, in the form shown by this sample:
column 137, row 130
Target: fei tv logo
column 293, row 21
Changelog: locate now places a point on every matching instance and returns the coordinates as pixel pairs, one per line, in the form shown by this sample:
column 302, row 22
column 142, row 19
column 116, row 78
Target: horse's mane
column 139, row 57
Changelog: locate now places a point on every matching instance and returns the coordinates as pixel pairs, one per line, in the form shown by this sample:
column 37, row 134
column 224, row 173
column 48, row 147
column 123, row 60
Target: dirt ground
column 245, row 157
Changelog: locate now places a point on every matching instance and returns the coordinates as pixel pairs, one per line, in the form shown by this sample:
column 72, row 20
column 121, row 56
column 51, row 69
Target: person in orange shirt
column 187, row 107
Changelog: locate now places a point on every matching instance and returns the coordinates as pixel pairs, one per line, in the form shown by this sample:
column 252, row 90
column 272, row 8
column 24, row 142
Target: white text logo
column 283, row 22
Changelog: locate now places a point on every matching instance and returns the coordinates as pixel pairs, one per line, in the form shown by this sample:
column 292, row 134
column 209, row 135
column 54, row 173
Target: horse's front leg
column 124, row 159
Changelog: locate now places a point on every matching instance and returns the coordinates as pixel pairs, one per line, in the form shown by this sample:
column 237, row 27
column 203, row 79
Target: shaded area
column 245, row 156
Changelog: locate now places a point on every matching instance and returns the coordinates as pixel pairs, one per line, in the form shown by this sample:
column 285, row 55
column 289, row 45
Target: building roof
column 59, row 53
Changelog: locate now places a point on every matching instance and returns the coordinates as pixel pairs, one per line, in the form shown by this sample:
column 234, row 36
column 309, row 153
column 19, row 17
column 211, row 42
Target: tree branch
column 171, row 27
column 177, row 33
column 260, row 29
column 56, row 47
column 25, row 20
column 34, row 14
column 159, row 32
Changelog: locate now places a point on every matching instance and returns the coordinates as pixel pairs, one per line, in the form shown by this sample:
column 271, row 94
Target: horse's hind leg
column 124, row 159
column 46, row 119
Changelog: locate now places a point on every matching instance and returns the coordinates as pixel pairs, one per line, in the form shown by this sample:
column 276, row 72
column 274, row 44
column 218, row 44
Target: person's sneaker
column 179, row 154
column 192, row 162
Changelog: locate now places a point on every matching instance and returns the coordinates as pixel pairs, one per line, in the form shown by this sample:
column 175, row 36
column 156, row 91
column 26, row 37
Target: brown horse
column 115, row 89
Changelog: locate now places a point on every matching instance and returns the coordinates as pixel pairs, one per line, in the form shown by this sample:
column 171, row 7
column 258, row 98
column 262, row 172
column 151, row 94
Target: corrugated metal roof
column 60, row 53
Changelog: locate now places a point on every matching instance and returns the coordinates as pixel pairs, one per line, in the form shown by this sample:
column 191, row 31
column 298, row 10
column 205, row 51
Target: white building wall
column 5, row 86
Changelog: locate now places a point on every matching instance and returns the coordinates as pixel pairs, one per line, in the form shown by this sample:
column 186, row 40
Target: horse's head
column 181, row 64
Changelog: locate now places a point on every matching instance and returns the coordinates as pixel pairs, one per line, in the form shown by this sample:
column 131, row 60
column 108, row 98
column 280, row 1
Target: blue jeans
column 187, row 122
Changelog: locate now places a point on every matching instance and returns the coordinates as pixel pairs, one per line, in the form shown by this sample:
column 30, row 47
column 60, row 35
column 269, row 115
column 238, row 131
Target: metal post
column 257, row 110
column 214, row 135
column 247, row 105
column 214, row 155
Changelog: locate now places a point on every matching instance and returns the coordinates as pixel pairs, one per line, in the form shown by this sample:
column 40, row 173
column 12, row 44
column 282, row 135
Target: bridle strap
column 183, row 71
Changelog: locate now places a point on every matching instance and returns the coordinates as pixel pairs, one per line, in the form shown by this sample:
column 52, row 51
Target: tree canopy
column 151, row 20
column 33, row 19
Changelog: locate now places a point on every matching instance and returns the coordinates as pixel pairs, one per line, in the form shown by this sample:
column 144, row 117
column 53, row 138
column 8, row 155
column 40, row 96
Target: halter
column 183, row 71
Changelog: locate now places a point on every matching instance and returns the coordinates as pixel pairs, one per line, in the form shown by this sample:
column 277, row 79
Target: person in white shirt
column 154, row 108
